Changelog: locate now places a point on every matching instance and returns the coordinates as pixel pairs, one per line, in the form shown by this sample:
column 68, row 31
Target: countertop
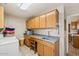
column 51, row 39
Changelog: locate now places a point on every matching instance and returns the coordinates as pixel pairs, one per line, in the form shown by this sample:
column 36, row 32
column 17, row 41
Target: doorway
column 72, row 40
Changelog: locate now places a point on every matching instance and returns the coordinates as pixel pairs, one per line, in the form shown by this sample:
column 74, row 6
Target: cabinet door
column 76, row 42
column 1, row 17
column 30, row 23
column 27, row 42
column 51, row 19
column 36, row 22
column 40, row 49
column 74, row 25
column 49, row 50
column 43, row 21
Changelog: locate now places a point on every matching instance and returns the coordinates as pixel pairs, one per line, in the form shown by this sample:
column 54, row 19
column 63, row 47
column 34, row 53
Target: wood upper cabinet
column 51, row 19
column 36, row 22
column 30, row 23
column 1, row 17
column 33, row 23
column 42, row 21
column 48, row 20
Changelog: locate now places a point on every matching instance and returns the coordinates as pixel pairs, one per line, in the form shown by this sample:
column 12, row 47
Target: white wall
column 17, row 23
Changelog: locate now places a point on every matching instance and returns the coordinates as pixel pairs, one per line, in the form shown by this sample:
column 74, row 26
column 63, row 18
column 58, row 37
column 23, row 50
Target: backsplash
column 50, row 32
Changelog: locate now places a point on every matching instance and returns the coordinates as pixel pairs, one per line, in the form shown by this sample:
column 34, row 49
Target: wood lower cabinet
column 40, row 48
column 43, row 48
column 27, row 41
column 47, row 49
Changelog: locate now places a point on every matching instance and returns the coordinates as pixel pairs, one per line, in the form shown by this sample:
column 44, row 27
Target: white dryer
column 9, row 46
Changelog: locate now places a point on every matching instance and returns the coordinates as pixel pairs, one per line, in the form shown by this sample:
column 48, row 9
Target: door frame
column 62, row 47
column 68, row 20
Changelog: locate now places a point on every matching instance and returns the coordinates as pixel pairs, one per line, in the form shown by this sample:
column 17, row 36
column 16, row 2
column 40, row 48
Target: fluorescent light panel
column 23, row 6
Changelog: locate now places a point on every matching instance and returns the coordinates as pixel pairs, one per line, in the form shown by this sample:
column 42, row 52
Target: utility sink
column 45, row 37
column 49, row 38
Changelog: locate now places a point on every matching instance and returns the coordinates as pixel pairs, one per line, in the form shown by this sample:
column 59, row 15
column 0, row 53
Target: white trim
column 61, row 31
column 67, row 35
column 73, row 15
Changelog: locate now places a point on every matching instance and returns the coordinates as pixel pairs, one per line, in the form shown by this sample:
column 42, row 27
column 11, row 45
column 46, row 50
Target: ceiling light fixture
column 23, row 6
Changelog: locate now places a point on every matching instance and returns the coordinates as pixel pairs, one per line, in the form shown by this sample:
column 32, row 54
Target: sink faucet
column 48, row 33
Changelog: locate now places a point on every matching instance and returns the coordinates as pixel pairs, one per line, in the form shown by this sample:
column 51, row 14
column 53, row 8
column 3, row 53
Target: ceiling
column 39, row 8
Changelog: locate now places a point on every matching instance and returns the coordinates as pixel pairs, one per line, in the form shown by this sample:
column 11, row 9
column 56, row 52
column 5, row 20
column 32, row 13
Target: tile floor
column 25, row 51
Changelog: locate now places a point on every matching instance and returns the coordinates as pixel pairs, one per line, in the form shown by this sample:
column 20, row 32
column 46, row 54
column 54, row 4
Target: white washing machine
column 9, row 46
